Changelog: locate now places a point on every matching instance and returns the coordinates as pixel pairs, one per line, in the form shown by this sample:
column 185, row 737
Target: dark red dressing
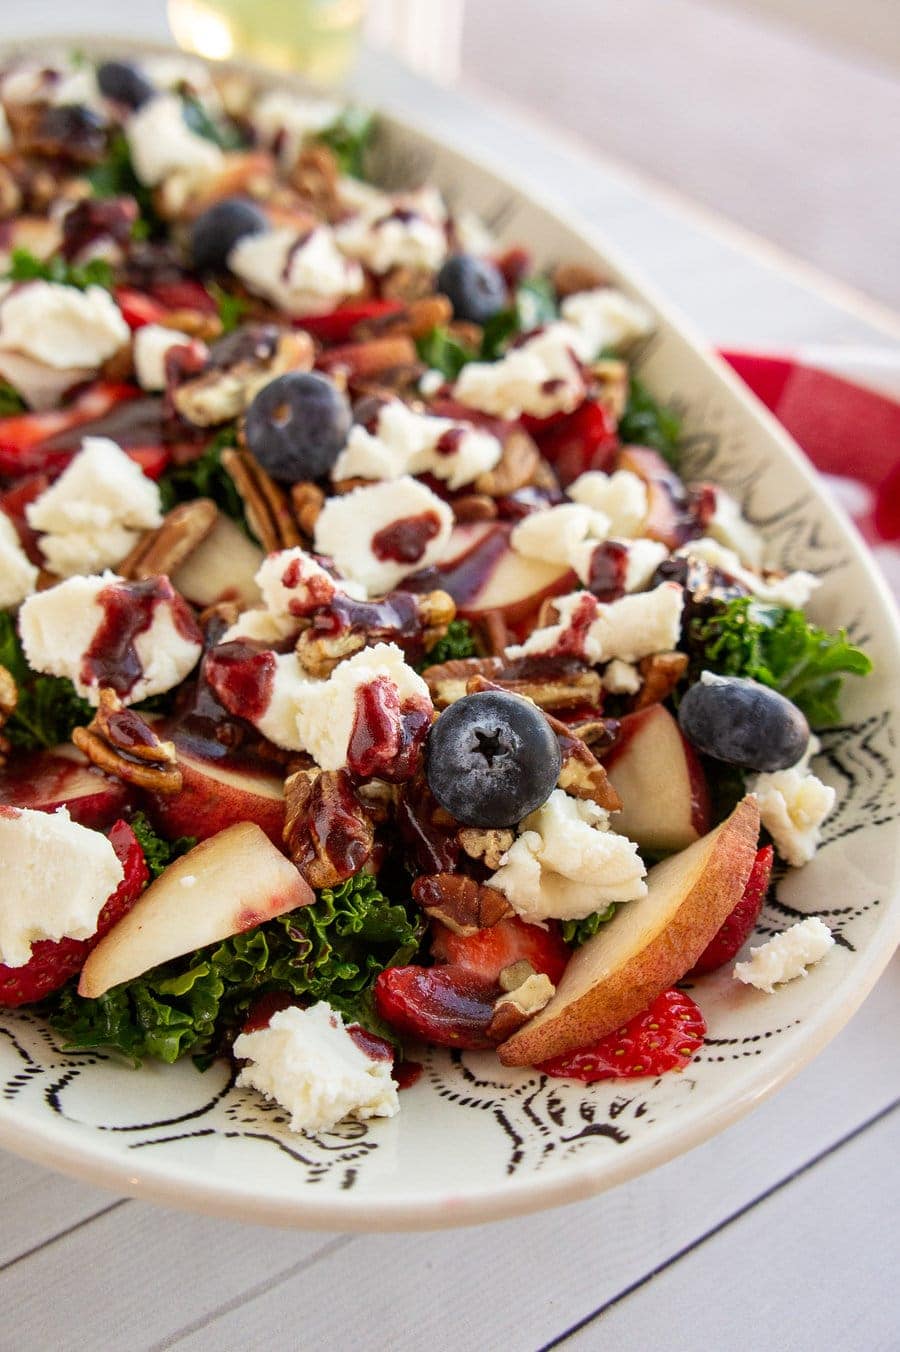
column 242, row 674
column 608, row 569
column 448, row 442
column 405, row 540
column 128, row 610
column 466, row 575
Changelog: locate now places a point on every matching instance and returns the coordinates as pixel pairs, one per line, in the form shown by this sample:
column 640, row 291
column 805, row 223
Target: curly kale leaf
column 205, row 478
column 577, row 932
column 348, row 137
column 457, row 643
column 332, row 950
column 647, row 422
column 24, row 267
column 48, row 707
column 158, row 852
column 781, row 649
column 223, row 133
column 114, row 176
column 440, row 351
column 534, row 305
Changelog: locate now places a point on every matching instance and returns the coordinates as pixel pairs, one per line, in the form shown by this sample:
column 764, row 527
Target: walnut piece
column 327, row 831
column 660, row 672
column 489, row 845
column 164, row 549
column 217, row 395
column 570, row 278
column 9, row 698
column 266, row 505
column 611, row 382
column 514, row 470
column 517, row 1006
column 120, row 742
column 417, row 319
column 460, row 903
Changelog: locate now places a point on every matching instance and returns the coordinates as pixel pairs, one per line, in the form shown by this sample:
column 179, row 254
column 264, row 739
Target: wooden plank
column 38, row 1204
column 775, row 1277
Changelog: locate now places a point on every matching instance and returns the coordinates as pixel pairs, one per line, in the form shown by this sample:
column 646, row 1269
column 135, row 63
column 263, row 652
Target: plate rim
column 43, row 1144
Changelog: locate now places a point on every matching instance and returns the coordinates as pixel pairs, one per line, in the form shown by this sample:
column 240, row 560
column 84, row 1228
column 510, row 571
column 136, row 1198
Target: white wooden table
column 780, row 1233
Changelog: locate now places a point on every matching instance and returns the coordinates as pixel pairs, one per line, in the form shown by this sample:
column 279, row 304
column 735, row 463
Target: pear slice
column 647, row 946
column 224, row 885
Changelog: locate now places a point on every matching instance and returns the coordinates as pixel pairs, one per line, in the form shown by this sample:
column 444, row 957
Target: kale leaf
column 225, row 134
column 534, row 306
column 205, row 478
column 24, row 267
column 457, row 643
column 11, row 402
column 348, row 137
column 331, row 950
column 48, row 707
column 158, row 852
column 442, row 352
column 114, row 176
column 647, row 422
column 231, row 308
column 577, row 932
column 781, row 649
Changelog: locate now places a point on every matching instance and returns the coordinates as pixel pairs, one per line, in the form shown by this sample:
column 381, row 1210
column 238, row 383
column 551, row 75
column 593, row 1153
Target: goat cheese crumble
column 302, row 275
column 405, row 442
column 786, row 956
column 18, row 575
column 61, row 326
column 793, row 804
column 161, row 143
column 377, row 535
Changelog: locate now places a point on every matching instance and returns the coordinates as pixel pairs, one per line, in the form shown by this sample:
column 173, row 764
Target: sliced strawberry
column 446, row 1005
column 338, row 325
column 739, row 925
column 138, row 308
column 485, row 953
column 54, row 962
column 13, row 502
column 583, row 440
column 153, row 460
column 664, row 1037
column 184, row 294
column 45, row 442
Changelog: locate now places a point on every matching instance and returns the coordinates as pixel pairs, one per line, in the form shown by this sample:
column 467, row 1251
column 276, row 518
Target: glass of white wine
column 314, row 38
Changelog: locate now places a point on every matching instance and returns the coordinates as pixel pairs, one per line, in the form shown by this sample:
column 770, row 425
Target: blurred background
column 780, row 115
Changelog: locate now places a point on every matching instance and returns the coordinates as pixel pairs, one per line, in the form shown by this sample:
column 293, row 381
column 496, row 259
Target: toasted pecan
column 266, row 505
column 518, row 1004
column 120, row 742
column 164, row 549
column 417, row 319
column 570, row 278
column 460, row 903
column 488, row 845
column 514, row 470
column 660, row 673
column 307, row 500
column 327, row 831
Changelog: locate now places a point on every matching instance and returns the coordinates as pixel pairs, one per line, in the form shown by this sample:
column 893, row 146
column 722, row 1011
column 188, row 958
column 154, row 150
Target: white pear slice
column 224, row 885
column 647, row 946
column 221, row 568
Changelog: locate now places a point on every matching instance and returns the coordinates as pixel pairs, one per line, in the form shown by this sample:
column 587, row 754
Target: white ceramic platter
column 475, row 1141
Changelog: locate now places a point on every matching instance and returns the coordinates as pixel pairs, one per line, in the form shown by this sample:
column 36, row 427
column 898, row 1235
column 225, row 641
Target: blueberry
column 125, row 83
column 743, row 723
column 218, row 229
column 297, row 425
column 492, row 758
column 474, row 287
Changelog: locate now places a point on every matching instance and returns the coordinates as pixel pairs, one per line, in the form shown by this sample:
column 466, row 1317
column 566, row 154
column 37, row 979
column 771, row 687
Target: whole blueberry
column 743, row 723
column 125, row 83
column 474, row 287
column 216, row 231
column 297, row 425
column 492, row 758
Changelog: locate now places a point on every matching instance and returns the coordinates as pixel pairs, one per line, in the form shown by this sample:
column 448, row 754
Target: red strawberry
column 338, row 325
column 664, row 1037
column 36, row 442
column 486, row 953
column 53, row 962
column 138, row 308
column 446, row 1005
column 584, row 440
column 184, row 294
column 263, row 1007
column 739, row 925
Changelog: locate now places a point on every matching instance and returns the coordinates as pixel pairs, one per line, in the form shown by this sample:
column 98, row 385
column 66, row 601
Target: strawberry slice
column 338, row 325
column 45, row 442
column 449, row 1006
column 665, row 1037
column 138, row 308
column 485, row 953
column 583, row 440
column 739, row 925
column 184, row 294
column 54, row 962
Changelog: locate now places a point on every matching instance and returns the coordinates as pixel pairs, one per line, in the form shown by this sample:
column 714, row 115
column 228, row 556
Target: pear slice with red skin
column 657, row 775
column 647, row 946
column 223, row 886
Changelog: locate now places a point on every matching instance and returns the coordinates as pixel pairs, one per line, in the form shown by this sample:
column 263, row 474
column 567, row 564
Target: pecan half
column 164, row 549
column 414, row 622
column 327, row 831
column 611, row 382
column 460, row 903
column 517, row 1006
column 487, row 845
column 319, row 654
column 515, row 468
column 266, row 505
column 661, row 672
column 417, row 319
column 474, row 507
column 307, row 500
column 568, row 690
column 448, row 681
column 315, row 177
column 407, row 284
column 123, row 744
column 220, row 393
column 570, row 278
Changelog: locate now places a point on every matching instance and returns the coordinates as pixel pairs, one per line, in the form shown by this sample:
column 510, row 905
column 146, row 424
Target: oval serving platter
column 476, row 1141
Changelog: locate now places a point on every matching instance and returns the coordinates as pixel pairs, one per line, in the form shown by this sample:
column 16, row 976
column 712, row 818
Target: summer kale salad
column 369, row 675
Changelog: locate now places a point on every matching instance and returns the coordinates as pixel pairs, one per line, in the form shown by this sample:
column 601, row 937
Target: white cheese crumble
column 301, row 275
column 57, row 628
column 620, row 496
column 18, row 575
column 559, row 534
column 90, row 517
column 630, row 628
column 406, row 442
column 605, row 318
column 49, row 82
column 149, row 347
column 259, row 626
column 327, row 709
column 793, row 804
column 348, row 526
column 541, row 377
column 293, row 584
column 161, row 143
column 278, row 721
column 286, row 120
column 786, row 956
column 621, row 678
column 791, row 591
column 307, row 1061
column 61, row 326
column 566, row 863
column 406, row 231
column 57, row 877
column 472, row 236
